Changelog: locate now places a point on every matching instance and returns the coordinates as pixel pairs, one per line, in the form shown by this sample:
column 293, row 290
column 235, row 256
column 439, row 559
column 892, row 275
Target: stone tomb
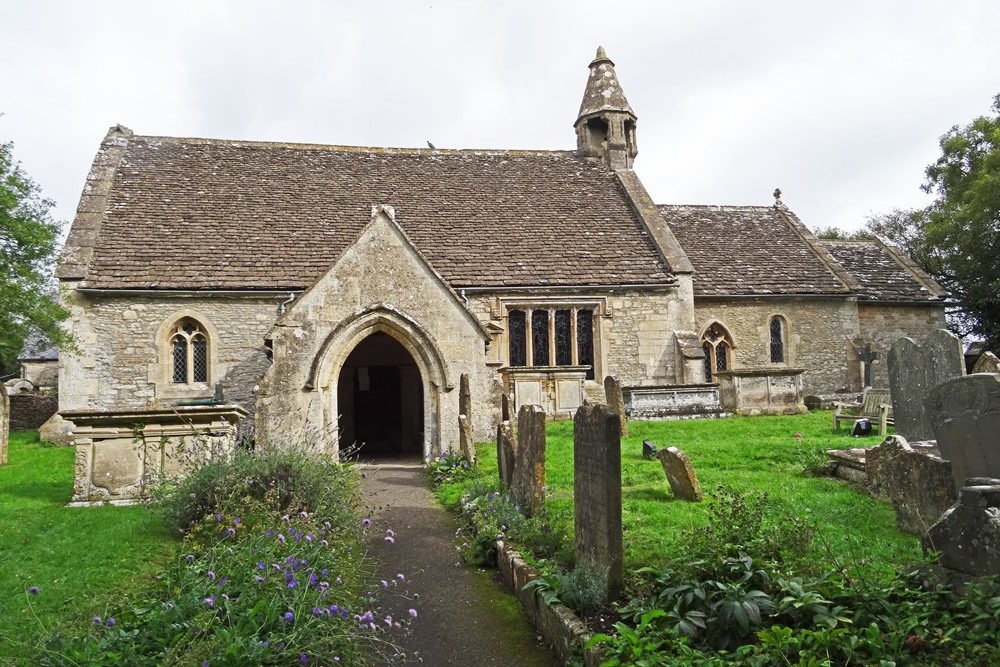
column 121, row 457
column 616, row 401
column 913, row 371
column 762, row 391
column 528, row 481
column 965, row 415
column 680, row 474
column 597, row 492
column 918, row 484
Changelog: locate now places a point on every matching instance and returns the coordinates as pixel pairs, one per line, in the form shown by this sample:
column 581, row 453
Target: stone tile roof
column 752, row 250
column 882, row 274
column 214, row 214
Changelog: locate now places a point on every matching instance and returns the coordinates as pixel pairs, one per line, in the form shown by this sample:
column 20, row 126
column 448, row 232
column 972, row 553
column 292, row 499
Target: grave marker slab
column 616, row 401
column 464, row 396
column 913, row 371
column 528, row 482
column 506, row 453
column 465, row 443
column 965, row 415
column 597, row 492
column 504, row 407
column 919, row 486
column 680, row 474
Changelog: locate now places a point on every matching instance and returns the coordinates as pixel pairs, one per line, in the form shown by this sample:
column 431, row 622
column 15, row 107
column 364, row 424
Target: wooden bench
column 875, row 405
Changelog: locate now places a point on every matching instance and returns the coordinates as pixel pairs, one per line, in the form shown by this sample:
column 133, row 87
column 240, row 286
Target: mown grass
column 80, row 559
column 746, row 454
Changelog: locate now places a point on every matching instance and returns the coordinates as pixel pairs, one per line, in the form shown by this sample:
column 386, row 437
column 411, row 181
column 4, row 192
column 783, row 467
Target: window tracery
column 189, row 353
column 556, row 336
column 718, row 347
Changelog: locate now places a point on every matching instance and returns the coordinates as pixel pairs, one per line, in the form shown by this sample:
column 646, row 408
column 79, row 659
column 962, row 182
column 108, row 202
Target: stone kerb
column 615, row 399
column 919, row 486
column 597, row 492
column 4, row 425
column 965, row 415
column 913, row 371
column 680, row 474
column 528, row 481
column 968, row 534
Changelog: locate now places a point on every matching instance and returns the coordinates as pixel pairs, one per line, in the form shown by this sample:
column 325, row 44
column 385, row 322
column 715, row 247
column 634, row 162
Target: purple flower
column 34, row 590
column 230, row 532
column 366, row 522
column 289, row 617
column 334, row 609
column 211, row 575
column 326, row 545
column 189, row 557
column 412, row 613
column 98, row 620
column 390, row 532
column 281, row 538
column 259, row 579
column 210, row 601
column 111, row 623
column 218, row 518
column 222, row 582
column 401, row 577
column 292, row 583
column 390, row 539
column 236, row 521
column 260, row 565
column 317, row 612
column 303, row 658
column 388, row 621
column 304, row 515
column 385, row 584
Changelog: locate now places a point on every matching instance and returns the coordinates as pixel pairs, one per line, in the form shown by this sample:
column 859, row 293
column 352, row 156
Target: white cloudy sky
column 839, row 103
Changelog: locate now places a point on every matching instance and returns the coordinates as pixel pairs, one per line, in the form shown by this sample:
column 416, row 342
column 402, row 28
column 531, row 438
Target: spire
column 605, row 126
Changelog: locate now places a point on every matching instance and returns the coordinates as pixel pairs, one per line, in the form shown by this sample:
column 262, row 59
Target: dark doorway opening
column 381, row 401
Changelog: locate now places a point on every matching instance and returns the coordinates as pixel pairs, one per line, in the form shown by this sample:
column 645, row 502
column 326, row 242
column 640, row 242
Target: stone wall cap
column 179, row 414
column 753, row 372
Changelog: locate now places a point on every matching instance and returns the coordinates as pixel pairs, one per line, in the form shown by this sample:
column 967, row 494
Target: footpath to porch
column 463, row 616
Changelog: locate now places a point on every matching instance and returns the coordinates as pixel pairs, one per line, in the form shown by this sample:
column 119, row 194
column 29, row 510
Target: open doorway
column 381, row 401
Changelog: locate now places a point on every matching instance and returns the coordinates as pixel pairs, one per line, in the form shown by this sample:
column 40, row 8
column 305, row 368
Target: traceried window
column 718, row 347
column 551, row 337
column 189, row 353
column 777, row 346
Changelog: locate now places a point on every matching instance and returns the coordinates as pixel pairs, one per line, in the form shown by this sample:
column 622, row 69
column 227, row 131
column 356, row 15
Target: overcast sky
column 840, row 104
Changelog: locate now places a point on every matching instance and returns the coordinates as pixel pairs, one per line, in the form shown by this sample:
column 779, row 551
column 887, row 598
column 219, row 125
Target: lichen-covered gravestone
column 965, row 414
column 919, row 486
column 597, row 492
column 987, row 363
column 464, row 396
column 528, row 482
column 4, row 424
column 680, row 474
column 465, row 438
column 506, row 453
column 615, row 399
column 913, row 371
column 968, row 534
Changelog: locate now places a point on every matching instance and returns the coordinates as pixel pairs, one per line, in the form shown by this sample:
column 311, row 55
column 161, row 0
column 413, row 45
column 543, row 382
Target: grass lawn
column 745, row 454
column 81, row 559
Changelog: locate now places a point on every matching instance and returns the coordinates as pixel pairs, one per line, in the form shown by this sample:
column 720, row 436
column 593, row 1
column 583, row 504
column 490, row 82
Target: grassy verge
column 80, row 559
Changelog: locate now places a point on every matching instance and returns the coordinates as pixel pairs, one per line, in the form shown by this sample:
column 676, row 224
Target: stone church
column 340, row 293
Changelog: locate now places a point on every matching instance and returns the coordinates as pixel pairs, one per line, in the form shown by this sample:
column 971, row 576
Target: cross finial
column 777, row 196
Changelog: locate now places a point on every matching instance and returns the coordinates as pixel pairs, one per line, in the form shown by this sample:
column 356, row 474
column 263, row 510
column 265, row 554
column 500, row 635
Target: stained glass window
column 777, row 341
column 564, row 337
column 517, row 347
column 539, row 338
column 585, row 340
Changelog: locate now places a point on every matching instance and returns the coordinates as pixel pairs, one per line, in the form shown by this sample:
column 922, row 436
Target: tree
column 957, row 238
column 838, row 234
column 28, row 245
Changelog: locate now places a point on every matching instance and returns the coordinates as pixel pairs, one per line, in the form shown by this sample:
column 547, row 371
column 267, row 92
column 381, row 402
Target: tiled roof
column 751, row 250
column 882, row 274
column 213, row 214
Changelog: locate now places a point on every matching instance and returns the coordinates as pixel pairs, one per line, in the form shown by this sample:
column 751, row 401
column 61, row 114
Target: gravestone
column 464, row 397
column 4, row 425
column 504, row 407
column 597, row 492
column 528, row 482
column 616, row 401
column 465, row 443
column 968, row 534
column 919, row 486
column 680, row 473
column 987, row 363
column 913, row 371
column 648, row 449
column 506, row 453
column 965, row 415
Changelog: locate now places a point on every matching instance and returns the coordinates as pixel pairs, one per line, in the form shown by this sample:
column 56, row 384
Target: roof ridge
column 719, row 207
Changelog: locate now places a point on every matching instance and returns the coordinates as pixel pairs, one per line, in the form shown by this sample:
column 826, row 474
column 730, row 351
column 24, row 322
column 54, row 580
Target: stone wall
column 29, row 411
column 883, row 325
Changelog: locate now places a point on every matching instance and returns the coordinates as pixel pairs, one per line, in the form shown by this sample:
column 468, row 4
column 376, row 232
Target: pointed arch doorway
column 380, row 399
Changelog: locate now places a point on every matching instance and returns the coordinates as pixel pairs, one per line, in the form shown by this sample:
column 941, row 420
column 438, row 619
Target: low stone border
column 557, row 624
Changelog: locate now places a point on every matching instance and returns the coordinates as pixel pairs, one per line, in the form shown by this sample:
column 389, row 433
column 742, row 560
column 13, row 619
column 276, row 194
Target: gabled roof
column 883, row 273
column 753, row 250
column 213, row 214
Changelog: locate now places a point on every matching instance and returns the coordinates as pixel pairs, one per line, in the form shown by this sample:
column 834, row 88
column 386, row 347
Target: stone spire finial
column 603, row 92
column 605, row 126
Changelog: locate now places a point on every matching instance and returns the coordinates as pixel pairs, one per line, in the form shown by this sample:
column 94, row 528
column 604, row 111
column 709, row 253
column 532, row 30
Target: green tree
column 28, row 245
column 839, row 234
column 957, row 238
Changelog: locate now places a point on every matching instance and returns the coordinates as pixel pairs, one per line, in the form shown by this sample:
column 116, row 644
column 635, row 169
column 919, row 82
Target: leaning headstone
column 913, row 371
column 4, row 424
column 965, row 415
column 919, row 486
column 57, row 430
column 464, row 396
column 506, row 453
column 597, row 492
column 968, row 534
column 680, row 473
column 528, row 482
column 465, row 443
column 987, row 363
column 616, row 401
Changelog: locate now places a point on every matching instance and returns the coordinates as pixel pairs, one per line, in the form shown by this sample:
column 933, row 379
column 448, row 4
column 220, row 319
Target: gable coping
column 648, row 213
column 840, row 273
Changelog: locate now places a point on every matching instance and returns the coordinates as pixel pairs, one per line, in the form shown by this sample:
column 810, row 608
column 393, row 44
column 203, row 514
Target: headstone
column 4, row 425
column 57, row 430
column 616, row 401
column 506, row 453
column 648, row 449
column 464, row 396
column 968, row 534
column 680, row 473
column 913, row 371
column 987, row 363
column 919, row 486
column 504, row 407
column 465, row 443
column 965, row 415
column 528, row 482
column 597, row 492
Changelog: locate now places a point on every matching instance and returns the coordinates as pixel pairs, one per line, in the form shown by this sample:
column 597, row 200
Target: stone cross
column 506, row 454
column 616, row 401
column 913, row 371
column 965, row 415
column 868, row 356
column 4, row 423
column 597, row 492
column 528, row 481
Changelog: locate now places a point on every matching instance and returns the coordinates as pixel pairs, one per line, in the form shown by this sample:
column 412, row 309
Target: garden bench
column 875, row 405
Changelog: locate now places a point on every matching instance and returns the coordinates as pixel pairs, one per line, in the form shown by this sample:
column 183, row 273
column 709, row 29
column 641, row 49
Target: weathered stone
column 506, row 453
column 4, row 425
column 762, row 391
column 528, row 482
column 616, row 401
column 465, row 443
column 464, row 396
column 965, row 415
column 648, row 449
column 680, row 473
column 987, row 363
column 968, row 534
column 913, row 371
column 57, row 430
column 504, row 407
column 597, row 492
column 918, row 485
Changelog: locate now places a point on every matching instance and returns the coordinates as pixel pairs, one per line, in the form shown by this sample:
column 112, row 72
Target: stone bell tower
column 605, row 127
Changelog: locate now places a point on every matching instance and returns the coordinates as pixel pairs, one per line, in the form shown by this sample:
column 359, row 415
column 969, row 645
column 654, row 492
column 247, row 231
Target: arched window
column 718, row 347
column 188, row 353
column 777, row 328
